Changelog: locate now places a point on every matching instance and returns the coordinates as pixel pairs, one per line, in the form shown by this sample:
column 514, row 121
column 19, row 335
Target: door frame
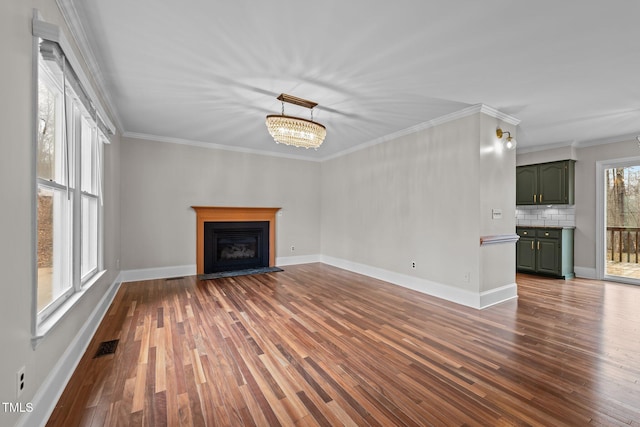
column 601, row 209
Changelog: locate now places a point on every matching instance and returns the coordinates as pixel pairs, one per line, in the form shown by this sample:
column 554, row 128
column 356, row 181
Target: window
column 70, row 138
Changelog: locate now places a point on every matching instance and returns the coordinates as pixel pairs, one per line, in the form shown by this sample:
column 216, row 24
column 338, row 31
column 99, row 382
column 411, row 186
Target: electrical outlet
column 467, row 276
column 20, row 381
column 413, row 264
column 293, row 248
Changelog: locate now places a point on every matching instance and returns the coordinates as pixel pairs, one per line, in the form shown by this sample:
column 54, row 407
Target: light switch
column 496, row 213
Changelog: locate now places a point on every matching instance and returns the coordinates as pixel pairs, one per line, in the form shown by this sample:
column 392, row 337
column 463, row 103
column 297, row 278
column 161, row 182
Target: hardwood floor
column 316, row 345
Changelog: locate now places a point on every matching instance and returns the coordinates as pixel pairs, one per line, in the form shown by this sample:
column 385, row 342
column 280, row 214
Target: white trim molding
column 498, row 295
column 52, row 32
column 465, row 112
column 158, row 273
column 438, row 290
column 601, row 165
column 213, row 146
column 52, row 387
column 497, row 239
column 154, row 273
column 79, row 34
column 585, row 272
column 295, row 260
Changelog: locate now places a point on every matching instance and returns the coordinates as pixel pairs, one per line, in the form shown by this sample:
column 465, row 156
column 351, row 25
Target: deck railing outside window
column 622, row 244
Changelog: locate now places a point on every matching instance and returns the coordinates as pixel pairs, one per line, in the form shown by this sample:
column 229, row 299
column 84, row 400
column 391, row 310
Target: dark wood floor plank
column 318, row 346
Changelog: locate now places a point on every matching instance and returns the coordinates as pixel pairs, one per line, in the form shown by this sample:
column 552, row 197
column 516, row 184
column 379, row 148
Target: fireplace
column 239, row 244
column 235, row 245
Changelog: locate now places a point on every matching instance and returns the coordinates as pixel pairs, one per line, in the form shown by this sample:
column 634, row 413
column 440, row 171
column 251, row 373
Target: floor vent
column 106, row 347
column 174, row 278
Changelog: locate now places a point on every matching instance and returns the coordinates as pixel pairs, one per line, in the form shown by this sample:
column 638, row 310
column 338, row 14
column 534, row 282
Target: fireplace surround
column 240, row 245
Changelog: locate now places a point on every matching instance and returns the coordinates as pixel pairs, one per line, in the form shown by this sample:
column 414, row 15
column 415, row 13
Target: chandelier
column 296, row 131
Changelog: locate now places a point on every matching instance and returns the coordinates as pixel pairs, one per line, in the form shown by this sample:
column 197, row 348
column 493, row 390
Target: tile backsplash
column 543, row 216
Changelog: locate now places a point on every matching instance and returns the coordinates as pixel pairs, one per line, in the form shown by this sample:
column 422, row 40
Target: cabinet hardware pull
column 534, row 198
column 541, row 198
column 538, row 245
column 546, row 234
column 532, row 245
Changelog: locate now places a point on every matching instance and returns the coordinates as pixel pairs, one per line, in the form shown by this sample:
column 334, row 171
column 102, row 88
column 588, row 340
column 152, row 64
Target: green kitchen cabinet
column 546, row 183
column 547, row 258
column 547, row 251
column 526, row 185
column 526, row 254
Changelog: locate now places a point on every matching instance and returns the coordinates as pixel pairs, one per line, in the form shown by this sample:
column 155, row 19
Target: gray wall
column 161, row 181
column 420, row 198
column 16, row 215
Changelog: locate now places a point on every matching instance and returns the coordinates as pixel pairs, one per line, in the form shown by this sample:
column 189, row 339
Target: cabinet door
column 548, row 259
column 552, row 183
column 527, row 185
column 526, row 254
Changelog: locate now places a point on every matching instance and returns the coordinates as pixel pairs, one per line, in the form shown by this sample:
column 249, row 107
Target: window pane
column 622, row 195
column 89, row 235
column 87, row 151
column 54, row 243
column 50, row 153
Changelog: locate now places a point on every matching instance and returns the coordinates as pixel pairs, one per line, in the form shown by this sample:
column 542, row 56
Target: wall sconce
column 510, row 142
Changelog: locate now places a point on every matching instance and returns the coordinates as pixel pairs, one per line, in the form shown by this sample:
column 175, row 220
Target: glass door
column 622, row 221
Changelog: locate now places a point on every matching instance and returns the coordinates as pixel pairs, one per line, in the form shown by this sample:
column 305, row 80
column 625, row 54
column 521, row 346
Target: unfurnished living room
column 285, row 213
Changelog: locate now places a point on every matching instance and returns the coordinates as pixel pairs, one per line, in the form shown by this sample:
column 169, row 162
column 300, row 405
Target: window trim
column 101, row 128
column 51, row 32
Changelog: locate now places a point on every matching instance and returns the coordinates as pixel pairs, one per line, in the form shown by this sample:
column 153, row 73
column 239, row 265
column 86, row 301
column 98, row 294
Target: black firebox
column 237, row 245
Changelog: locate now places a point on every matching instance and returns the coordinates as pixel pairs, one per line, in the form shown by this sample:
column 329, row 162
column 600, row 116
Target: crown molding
column 490, row 111
column 608, row 140
column 577, row 144
column 213, row 146
column 79, row 35
column 545, row 147
column 465, row 112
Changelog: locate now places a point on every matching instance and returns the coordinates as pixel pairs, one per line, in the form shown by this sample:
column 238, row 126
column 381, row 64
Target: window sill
column 44, row 327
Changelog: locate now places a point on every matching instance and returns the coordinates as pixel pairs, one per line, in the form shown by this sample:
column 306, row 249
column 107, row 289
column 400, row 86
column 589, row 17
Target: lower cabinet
column 547, row 251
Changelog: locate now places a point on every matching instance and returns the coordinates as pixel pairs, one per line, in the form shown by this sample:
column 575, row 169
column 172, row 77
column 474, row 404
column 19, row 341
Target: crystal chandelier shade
column 296, row 131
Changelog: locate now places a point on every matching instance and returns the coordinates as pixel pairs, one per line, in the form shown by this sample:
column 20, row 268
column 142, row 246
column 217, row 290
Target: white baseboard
column 158, row 273
column 190, row 270
column 585, row 272
column 439, row 290
column 498, row 295
column 294, row 260
column 45, row 399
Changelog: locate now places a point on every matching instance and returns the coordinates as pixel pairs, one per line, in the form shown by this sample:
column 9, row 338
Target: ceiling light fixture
column 510, row 142
column 295, row 131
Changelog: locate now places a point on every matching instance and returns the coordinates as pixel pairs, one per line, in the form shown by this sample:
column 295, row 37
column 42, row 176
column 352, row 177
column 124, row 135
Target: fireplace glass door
column 237, row 245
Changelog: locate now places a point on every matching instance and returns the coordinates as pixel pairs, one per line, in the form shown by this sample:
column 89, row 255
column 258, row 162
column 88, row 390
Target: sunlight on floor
column 623, row 269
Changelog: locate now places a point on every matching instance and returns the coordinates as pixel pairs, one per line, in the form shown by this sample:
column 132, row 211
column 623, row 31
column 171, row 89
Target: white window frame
column 46, row 318
column 601, row 215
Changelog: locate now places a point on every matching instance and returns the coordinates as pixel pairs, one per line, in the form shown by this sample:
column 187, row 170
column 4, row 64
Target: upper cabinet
column 546, row 183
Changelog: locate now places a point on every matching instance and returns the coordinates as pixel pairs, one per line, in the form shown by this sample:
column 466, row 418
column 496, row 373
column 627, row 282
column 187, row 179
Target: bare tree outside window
column 46, row 133
column 45, row 165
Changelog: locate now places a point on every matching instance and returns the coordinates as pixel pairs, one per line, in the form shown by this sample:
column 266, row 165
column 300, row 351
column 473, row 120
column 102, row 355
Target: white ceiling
column 206, row 71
